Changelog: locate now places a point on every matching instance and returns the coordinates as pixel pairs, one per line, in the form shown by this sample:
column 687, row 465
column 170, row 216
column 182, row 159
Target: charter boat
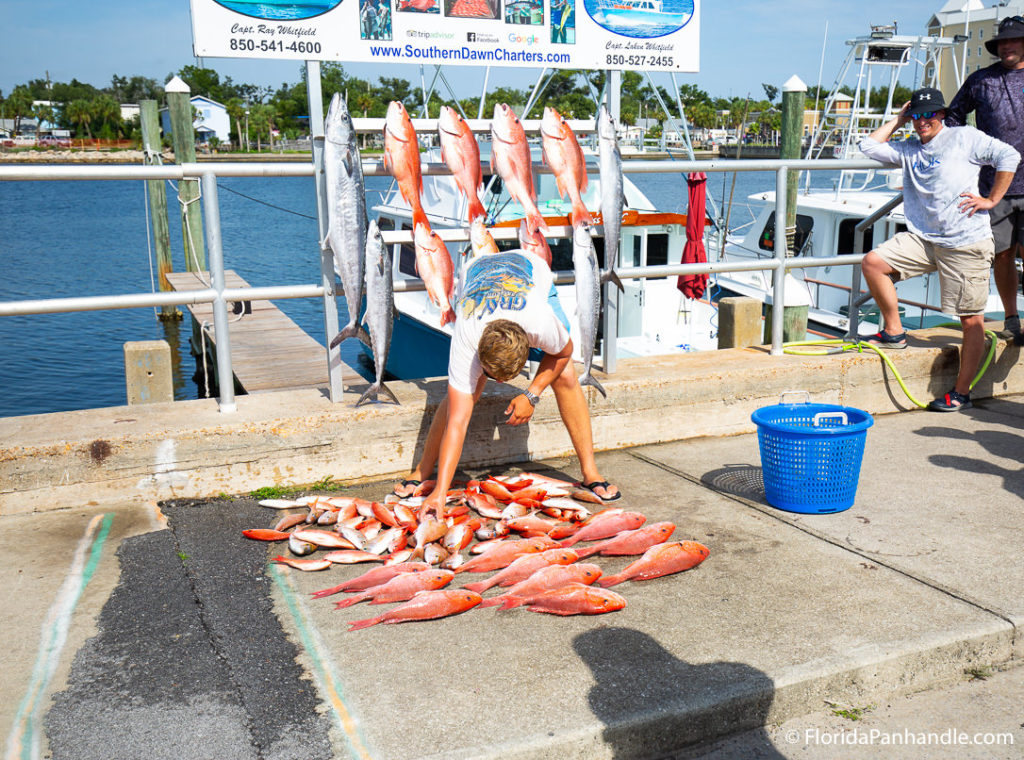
column 652, row 315
column 826, row 218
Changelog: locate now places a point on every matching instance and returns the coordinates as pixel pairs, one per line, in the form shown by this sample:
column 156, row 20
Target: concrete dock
column 146, row 625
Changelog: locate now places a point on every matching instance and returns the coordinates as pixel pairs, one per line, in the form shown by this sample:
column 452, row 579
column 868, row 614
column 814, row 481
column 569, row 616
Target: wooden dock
column 269, row 352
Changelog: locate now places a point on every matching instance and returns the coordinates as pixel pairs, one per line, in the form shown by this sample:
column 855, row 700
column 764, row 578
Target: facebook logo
column 470, row 36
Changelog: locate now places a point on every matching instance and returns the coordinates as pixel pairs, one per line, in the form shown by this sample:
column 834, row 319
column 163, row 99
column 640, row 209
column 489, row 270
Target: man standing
column 506, row 306
column 948, row 225
column 996, row 95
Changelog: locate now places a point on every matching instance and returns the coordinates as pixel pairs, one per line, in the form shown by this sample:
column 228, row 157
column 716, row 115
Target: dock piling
column 157, row 196
column 179, row 107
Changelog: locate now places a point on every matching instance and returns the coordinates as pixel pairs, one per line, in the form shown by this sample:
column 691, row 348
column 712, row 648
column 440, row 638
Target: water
column 62, row 239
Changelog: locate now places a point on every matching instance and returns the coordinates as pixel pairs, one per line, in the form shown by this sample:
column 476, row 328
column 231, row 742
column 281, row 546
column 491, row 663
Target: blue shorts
column 556, row 306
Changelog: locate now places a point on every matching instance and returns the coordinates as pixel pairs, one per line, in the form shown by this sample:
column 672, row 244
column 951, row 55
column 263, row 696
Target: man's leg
column 877, row 275
column 970, row 353
column 1004, row 268
column 572, row 406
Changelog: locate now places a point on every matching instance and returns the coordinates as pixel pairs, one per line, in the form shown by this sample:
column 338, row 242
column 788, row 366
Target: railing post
column 779, row 275
column 211, row 208
column 327, row 276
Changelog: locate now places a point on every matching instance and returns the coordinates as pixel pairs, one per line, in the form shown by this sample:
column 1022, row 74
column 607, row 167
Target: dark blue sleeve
column 961, row 105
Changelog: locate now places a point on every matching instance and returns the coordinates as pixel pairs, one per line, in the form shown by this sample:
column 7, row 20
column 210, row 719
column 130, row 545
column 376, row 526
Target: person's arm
column 1004, row 158
column 520, row 409
column 460, row 411
column 961, row 105
column 876, row 146
column 886, row 131
column 973, row 203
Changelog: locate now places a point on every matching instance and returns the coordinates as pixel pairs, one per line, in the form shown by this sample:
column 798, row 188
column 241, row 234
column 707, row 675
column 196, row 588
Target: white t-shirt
column 512, row 285
column 934, row 176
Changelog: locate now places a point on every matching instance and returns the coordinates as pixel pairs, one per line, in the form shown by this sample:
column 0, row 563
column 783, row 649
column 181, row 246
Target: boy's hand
column 519, row 410
column 433, row 503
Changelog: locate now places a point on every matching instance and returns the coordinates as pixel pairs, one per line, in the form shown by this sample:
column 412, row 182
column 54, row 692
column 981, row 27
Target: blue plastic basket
column 811, row 455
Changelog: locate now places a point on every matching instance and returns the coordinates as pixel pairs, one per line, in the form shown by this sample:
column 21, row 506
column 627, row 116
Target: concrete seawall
column 189, row 449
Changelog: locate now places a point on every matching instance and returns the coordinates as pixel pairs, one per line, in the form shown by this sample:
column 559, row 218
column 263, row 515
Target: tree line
column 89, row 111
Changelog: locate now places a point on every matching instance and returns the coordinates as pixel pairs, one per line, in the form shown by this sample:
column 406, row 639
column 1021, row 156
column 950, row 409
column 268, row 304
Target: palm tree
column 236, row 109
column 19, row 105
column 79, row 113
column 107, row 111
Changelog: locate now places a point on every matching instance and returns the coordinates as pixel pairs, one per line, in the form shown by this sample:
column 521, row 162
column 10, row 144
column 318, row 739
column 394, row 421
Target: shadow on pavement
column 655, row 705
column 737, row 479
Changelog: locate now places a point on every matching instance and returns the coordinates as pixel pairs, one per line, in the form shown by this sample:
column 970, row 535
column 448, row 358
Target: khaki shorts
column 963, row 272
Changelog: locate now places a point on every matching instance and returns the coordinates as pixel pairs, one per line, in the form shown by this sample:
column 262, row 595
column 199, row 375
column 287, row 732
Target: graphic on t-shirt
column 498, row 281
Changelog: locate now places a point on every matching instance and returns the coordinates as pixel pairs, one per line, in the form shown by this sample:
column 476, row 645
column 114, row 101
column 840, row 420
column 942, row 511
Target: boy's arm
column 460, row 411
column 520, row 409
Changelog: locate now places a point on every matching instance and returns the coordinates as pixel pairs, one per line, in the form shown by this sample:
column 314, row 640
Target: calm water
column 62, row 239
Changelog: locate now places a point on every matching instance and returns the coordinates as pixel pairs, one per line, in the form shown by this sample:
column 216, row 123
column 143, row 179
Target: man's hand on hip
column 973, row 203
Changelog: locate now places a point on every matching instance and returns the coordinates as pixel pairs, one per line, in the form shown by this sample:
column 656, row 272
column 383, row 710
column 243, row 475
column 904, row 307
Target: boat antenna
column 732, row 189
column 483, row 94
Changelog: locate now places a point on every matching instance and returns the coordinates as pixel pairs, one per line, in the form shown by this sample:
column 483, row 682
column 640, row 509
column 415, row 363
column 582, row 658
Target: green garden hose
column 842, row 345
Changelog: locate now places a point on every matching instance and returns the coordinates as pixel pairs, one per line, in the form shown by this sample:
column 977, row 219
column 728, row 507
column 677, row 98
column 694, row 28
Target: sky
column 744, row 43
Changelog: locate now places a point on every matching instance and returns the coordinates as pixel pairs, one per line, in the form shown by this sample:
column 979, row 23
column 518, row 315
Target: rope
column 257, row 200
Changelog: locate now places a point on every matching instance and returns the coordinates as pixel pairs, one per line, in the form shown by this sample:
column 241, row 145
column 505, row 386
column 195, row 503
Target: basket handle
column 826, row 415
column 806, row 395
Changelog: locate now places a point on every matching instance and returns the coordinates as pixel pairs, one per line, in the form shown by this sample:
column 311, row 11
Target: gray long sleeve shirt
column 996, row 95
column 935, row 175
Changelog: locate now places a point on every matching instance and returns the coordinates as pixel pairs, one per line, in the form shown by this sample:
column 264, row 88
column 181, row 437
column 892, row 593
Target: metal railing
column 219, row 295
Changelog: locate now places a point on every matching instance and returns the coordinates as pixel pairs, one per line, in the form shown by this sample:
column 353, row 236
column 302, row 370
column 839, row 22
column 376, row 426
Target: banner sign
column 641, row 35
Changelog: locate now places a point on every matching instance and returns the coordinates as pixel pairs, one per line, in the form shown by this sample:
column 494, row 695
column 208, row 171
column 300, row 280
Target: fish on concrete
column 661, row 559
column 459, row 149
column 510, row 157
column 306, row 565
column 545, row 579
column 375, row 577
column 612, row 195
column 426, row 605
column 504, row 553
column 562, row 153
column 523, row 567
column 631, row 541
column 380, row 310
column 577, row 599
column 605, row 527
column 265, row 534
column 401, row 588
column 346, row 212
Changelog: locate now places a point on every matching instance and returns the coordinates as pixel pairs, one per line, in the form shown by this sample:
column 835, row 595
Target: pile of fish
column 494, row 524
column 364, row 262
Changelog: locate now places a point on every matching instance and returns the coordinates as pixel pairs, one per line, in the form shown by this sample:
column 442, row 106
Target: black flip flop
column 405, row 483
column 601, row 484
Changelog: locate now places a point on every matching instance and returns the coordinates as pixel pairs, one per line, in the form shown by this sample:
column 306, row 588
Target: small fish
column 346, row 211
column 401, row 588
column 434, row 266
column 661, row 559
column 485, row 533
column 354, row 537
column 534, row 242
column 330, row 517
column 612, row 197
column 380, row 310
column 405, row 517
column 265, row 534
column 434, row 554
column 454, row 561
column 300, row 548
column 374, row 577
column 289, row 521
column 458, row 537
column 400, row 557
column 428, row 531
column 385, row 541
column 459, row 149
column 562, row 153
column 512, row 511
column 530, row 523
column 577, row 599
column 552, row 576
column 481, row 241
column 523, row 567
column 534, row 493
column 510, row 157
column 280, row 503
column 484, row 504
column 606, row 528
column 402, row 158
column 497, row 489
column 631, row 541
column 306, row 565
column 326, row 539
column 351, row 556
column 426, row 605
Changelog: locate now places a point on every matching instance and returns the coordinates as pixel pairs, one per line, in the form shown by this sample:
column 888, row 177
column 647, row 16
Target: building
column 970, row 23
column 211, row 120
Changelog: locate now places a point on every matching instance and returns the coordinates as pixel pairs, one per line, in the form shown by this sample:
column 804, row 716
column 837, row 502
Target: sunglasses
column 925, row 115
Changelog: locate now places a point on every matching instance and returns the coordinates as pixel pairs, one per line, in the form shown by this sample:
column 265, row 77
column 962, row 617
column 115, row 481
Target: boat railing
column 328, row 288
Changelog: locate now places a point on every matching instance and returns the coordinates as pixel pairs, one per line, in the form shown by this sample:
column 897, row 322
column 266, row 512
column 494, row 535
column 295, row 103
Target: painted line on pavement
column 328, row 680
column 23, row 743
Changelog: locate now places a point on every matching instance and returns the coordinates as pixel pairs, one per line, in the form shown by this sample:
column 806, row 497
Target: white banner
column 641, row 35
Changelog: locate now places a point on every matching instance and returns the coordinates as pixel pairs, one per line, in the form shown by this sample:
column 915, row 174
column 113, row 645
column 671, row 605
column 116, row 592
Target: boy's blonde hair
column 503, row 349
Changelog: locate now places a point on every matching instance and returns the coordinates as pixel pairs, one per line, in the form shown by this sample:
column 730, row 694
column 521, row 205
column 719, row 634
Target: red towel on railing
column 693, row 285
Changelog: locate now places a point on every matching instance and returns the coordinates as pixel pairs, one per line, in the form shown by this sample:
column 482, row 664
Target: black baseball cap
column 927, row 99
column 1010, row 28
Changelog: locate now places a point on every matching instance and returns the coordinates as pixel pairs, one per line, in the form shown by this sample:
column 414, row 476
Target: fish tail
column 572, row 540
column 494, row 601
column 611, row 276
column 509, row 602
column 590, row 380
column 327, row 591
column 477, row 586
column 356, row 625
column 387, row 392
column 535, row 222
column 370, row 394
column 584, row 553
column 476, row 208
column 447, row 315
column 610, row 580
column 419, row 216
column 579, row 215
column 363, row 336
column 351, row 330
column 348, row 602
